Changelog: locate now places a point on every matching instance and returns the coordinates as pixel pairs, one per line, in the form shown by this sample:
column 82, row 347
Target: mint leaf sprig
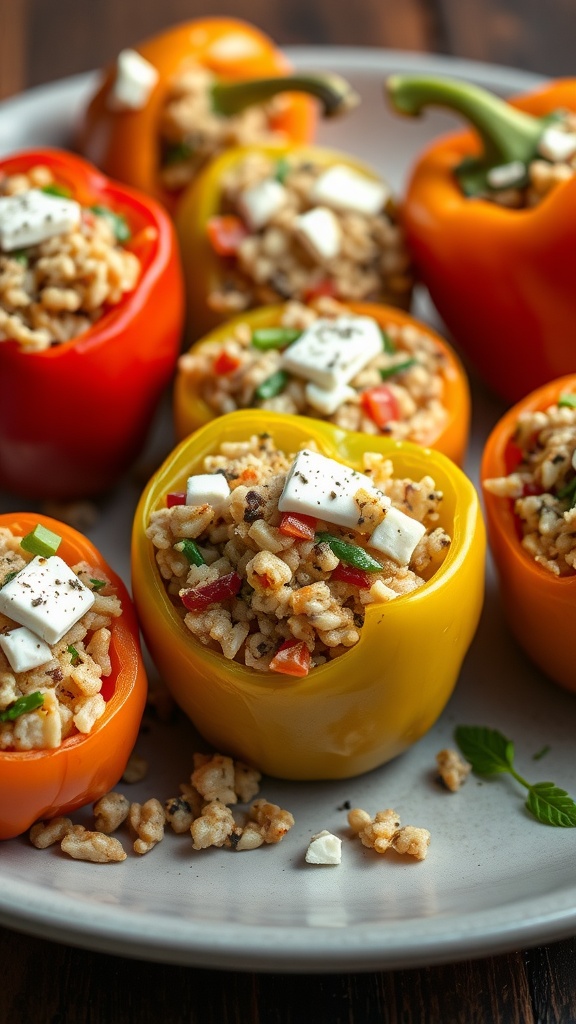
column 491, row 753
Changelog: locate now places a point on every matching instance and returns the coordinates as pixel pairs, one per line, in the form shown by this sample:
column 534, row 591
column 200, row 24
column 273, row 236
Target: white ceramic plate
column 494, row 878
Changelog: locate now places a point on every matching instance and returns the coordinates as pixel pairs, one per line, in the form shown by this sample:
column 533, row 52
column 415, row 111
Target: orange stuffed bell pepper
column 414, row 388
column 262, row 224
column 67, row 734
column 178, row 98
column 529, row 480
column 238, row 647
column 490, row 218
column 90, row 324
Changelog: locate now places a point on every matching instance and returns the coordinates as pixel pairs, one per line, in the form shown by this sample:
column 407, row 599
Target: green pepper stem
column 335, row 94
column 507, row 134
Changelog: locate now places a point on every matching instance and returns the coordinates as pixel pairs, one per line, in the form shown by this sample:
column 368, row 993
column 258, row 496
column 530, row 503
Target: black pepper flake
column 36, row 601
column 253, row 502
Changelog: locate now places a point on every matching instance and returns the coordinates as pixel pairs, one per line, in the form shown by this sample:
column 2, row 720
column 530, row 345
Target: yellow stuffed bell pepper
column 363, row 708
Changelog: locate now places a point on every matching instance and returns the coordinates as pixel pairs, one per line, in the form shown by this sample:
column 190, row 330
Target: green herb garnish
column 351, row 554
column 74, row 656
column 568, row 492
column 567, row 400
column 116, row 221
column 387, row 343
column 97, row 584
column 21, row 256
column 541, row 753
column 191, row 551
column 57, row 190
column 41, row 542
column 8, row 578
column 177, row 153
column 22, row 706
column 491, row 753
column 265, row 338
column 282, row 169
column 391, row 371
column 273, row 385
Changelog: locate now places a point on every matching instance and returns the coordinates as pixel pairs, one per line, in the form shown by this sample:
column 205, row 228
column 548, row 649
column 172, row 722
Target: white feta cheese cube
column 31, row 217
column 397, row 536
column 344, row 188
column 260, row 202
column 207, row 489
column 506, row 175
column 321, row 487
column 135, row 79
column 47, row 597
column 328, row 401
column 319, row 231
column 557, row 145
column 24, row 649
column 324, row 848
column 331, row 352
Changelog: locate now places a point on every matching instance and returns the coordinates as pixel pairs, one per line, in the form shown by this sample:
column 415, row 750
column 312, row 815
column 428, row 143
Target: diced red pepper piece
column 348, row 574
column 291, row 659
column 300, row 526
column 225, row 363
column 175, row 498
column 197, row 598
column 225, row 234
column 381, row 404
column 326, row 287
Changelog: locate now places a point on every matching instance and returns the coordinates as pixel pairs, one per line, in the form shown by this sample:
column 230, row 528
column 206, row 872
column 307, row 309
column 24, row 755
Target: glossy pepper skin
column 75, row 416
column 502, row 280
column 125, row 143
column 39, row 784
column 191, row 411
column 204, row 269
column 362, row 709
column 539, row 606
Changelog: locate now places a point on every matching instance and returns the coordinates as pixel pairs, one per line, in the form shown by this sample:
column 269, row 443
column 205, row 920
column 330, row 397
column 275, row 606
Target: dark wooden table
column 47, row 983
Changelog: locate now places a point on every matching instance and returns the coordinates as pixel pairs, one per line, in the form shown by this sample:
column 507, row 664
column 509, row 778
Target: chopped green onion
column 41, row 542
column 351, row 554
column 8, row 578
column 74, row 656
column 568, row 492
column 97, row 584
column 57, row 190
column 265, row 338
column 30, row 702
column 191, row 551
column 391, row 371
column 21, row 256
column 567, row 400
column 282, row 169
column 273, row 385
column 116, row 221
column 387, row 343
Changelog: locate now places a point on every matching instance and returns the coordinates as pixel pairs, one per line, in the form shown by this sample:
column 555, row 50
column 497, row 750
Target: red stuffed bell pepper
column 48, row 768
column 90, row 324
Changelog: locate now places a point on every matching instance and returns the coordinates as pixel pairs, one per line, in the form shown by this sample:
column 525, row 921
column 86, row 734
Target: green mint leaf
column 22, row 706
column 551, row 805
column 487, row 750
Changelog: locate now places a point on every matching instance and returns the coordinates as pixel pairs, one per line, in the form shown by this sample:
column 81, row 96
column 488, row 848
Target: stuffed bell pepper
column 91, row 313
column 529, row 481
column 176, row 100
column 72, row 680
column 364, row 367
column 262, row 225
column 490, row 218
column 307, row 598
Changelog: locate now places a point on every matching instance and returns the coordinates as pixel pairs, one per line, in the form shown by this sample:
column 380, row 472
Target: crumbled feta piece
column 207, row 489
column 31, row 217
column 324, row 848
column 319, row 230
column 397, row 536
column 47, row 597
column 24, row 649
column 506, row 175
column 134, row 82
column 557, row 145
column 327, row 401
column 318, row 486
column 345, row 189
column 331, row 352
column 260, row 202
